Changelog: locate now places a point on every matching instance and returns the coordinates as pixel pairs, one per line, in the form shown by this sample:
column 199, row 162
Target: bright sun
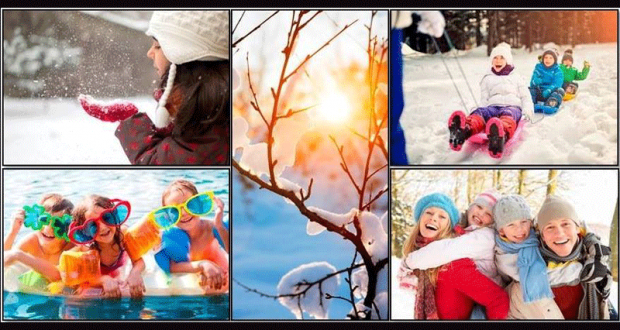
column 334, row 108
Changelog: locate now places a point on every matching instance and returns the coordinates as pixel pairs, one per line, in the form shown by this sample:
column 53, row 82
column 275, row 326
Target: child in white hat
column 190, row 125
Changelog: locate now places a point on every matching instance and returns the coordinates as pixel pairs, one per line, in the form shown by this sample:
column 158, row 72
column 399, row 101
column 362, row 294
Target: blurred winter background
column 49, row 58
column 584, row 131
column 593, row 193
column 271, row 237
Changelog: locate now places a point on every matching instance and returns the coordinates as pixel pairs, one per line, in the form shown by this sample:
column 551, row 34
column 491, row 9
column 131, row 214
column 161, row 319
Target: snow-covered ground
column 58, row 131
column 402, row 301
column 584, row 131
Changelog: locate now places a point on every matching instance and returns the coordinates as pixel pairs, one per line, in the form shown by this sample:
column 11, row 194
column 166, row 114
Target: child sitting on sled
column 547, row 80
column 504, row 96
column 571, row 73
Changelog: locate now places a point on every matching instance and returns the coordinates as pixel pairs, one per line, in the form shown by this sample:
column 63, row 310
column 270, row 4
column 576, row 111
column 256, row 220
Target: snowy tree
column 309, row 288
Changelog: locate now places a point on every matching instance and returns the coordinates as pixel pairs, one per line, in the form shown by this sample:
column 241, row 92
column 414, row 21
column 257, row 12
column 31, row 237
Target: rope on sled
column 450, row 74
column 460, row 67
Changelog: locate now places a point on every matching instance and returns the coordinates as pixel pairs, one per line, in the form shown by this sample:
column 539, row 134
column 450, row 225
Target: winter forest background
column 473, row 28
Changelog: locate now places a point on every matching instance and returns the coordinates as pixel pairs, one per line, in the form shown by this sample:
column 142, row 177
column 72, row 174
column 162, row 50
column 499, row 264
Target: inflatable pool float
column 19, row 278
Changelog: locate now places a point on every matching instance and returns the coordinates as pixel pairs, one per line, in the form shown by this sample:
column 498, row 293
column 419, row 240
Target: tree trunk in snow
column 552, row 182
column 521, row 182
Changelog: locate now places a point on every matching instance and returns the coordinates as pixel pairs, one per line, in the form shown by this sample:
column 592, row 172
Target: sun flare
column 334, row 108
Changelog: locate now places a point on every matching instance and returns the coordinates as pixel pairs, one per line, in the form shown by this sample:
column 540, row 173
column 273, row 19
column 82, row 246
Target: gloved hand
column 546, row 93
column 595, row 266
column 107, row 112
column 431, row 23
column 586, row 64
column 537, row 81
column 406, row 278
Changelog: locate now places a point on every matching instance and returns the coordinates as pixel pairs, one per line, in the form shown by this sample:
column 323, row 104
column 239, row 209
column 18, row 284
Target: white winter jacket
column 477, row 244
column 510, row 89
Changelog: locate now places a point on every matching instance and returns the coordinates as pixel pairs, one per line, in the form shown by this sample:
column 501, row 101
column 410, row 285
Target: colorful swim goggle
column 89, row 230
column 197, row 205
column 36, row 218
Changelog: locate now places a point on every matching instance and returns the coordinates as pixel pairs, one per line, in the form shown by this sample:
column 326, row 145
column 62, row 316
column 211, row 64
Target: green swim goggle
column 197, row 205
column 36, row 218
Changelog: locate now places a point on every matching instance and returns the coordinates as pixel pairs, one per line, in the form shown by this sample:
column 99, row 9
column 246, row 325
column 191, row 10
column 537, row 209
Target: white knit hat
column 186, row 36
column 502, row 49
column 510, row 208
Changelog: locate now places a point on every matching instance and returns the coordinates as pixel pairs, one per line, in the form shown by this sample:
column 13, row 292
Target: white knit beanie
column 186, row 36
column 556, row 207
column 511, row 208
column 502, row 49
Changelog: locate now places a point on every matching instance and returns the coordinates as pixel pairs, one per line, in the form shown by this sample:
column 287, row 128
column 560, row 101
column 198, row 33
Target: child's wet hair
column 180, row 185
column 53, row 203
column 200, row 98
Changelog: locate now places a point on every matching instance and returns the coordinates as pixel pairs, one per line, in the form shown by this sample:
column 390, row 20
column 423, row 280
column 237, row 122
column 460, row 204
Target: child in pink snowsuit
column 504, row 96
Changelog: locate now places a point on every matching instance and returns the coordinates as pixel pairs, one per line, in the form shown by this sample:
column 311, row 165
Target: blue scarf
column 532, row 267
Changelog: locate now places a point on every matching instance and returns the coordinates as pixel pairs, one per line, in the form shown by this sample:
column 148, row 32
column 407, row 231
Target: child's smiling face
column 499, row 62
column 106, row 233
column 179, row 196
column 160, row 62
column 567, row 62
column 480, row 216
column 548, row 60
column 46, row 236
column 516, row 231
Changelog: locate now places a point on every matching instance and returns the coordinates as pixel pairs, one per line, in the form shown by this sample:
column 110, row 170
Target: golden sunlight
column 334, row 108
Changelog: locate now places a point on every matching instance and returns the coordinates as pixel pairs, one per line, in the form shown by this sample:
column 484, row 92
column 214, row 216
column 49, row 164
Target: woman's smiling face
column 561, row 236
column 433, row 221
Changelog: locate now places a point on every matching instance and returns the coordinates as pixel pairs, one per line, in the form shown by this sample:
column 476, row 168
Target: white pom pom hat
column 186, row 36
column 502, row 49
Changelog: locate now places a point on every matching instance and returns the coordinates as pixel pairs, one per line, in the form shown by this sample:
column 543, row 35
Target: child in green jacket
column 571, row 74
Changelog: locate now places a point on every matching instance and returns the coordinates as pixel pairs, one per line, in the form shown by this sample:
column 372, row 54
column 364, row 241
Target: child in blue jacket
column 547, row 79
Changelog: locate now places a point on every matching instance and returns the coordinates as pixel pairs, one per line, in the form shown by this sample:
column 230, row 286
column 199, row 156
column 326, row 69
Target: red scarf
column 425, row 305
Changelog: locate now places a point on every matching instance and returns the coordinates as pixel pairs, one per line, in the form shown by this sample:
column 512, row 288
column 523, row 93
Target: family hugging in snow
column 500, row 257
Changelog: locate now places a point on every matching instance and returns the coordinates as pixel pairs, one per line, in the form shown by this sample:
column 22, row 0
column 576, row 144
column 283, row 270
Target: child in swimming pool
column 205, row 256
column 41, row 249
column 106, row 216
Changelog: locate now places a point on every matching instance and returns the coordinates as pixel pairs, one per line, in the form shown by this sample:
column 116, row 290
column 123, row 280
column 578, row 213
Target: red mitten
column 110, row 112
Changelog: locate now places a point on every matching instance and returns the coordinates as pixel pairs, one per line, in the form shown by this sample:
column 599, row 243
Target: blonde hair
column 179, row 185
column 410, row 246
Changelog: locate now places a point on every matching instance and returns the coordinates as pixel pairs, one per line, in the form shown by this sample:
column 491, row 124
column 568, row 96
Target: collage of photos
column 294, row 165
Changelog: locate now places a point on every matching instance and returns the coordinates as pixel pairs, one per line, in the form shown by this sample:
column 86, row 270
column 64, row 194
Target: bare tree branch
column 253, row 30
column 239, row 21
column 254, row 103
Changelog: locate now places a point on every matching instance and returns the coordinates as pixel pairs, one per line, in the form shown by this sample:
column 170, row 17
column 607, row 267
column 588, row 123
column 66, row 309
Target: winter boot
column 459, row 131
column 497, row 137
column 555, row 99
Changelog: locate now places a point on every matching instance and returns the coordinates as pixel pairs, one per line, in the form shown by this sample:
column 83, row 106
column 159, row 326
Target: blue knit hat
column 437, row 200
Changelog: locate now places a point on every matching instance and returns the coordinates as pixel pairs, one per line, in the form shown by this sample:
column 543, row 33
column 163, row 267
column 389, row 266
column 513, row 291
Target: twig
column 254, row 104
column 374, row 199
column 239, row 21
column 308, row 57
column 343, row 164
column 254, row 29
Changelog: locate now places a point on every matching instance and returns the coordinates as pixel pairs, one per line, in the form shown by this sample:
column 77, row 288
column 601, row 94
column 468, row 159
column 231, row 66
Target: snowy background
column 50, row 57
column 584, row 131
column 593, row 193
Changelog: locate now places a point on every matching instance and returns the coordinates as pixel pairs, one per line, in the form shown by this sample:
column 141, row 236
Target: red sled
column 482, row 137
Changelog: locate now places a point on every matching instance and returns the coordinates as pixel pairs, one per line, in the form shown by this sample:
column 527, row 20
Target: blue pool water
column 143, row 189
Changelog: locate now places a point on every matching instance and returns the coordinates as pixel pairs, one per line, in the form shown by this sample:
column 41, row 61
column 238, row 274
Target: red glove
column 107, row 112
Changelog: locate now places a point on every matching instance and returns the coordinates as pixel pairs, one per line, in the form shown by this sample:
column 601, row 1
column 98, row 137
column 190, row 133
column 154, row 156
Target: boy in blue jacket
column 547, row 79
